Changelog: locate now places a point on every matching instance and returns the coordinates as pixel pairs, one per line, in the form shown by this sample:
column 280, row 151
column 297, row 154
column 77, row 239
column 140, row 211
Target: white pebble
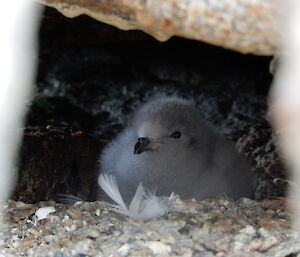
column 42, row 213
column 158, row 248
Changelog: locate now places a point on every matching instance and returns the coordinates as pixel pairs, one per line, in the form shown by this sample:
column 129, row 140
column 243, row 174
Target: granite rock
column 247, row 26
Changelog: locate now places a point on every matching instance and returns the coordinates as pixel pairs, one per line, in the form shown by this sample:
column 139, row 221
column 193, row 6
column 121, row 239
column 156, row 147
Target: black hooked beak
column 142, row 145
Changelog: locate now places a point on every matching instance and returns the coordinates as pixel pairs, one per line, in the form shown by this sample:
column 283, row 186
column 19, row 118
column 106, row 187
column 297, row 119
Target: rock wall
column 247, row 26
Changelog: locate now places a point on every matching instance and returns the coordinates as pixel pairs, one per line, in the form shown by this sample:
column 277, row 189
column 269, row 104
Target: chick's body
column 170, row 148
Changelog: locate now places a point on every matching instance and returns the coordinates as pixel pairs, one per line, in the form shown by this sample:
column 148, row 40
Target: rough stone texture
column 248, row 26
column 216, row 227
column 54, row 161
column 261, row 146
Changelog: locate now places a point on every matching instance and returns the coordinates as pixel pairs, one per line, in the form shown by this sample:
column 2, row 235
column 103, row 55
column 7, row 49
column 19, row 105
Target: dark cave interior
column 91, row 76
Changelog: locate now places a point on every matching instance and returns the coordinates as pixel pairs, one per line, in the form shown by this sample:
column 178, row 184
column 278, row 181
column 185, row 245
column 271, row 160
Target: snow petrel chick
column 168, row 147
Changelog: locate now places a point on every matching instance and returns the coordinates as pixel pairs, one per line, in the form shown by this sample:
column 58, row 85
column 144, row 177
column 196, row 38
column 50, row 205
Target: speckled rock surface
column 216, row 227
column 247, row 26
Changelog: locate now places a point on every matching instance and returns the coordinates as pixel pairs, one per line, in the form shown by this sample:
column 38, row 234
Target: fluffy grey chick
column 169, row 148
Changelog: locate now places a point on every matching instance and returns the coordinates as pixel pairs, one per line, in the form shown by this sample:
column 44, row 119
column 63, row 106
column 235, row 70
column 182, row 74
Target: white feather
column 144, row 205
column 154, row 207
column 135, row 205
column 69, row 199
column 109, row 184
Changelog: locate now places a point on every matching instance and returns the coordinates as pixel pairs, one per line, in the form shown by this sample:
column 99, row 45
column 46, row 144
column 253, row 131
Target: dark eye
column 176, row 134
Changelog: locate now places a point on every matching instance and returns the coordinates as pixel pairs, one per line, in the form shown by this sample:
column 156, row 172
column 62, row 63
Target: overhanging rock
column 247, row 26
